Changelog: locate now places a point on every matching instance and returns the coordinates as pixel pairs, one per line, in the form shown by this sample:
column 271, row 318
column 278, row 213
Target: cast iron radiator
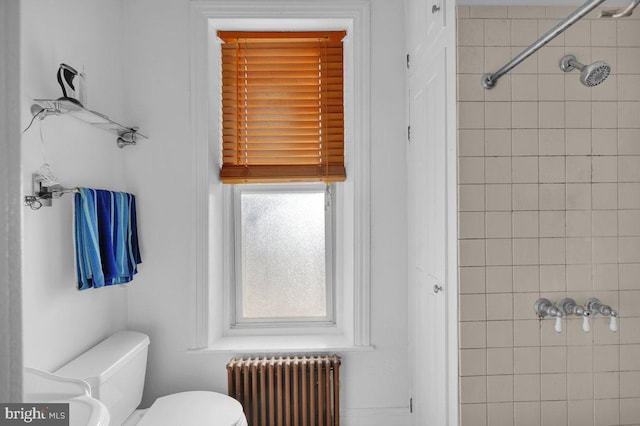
column 287, row 391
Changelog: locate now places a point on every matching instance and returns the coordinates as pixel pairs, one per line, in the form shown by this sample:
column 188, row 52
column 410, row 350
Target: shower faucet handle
column 570, row 307
column 544, row 308
column 594, row 306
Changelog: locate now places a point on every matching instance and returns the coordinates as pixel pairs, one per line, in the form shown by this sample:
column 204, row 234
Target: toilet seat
column 196, row 408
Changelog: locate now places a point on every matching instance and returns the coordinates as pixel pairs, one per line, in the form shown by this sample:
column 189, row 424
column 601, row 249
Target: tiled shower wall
column 549, row 206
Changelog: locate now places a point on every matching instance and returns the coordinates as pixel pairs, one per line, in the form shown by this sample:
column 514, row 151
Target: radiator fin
column 287, row 391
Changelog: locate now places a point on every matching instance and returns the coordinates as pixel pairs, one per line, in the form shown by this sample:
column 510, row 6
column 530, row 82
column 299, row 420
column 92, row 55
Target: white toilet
column 115, row 370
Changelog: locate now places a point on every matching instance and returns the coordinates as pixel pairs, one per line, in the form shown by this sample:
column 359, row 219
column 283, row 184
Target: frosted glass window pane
column 283, row 255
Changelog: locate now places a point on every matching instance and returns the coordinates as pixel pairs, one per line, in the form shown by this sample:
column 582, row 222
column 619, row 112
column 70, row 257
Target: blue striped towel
column 107, row 250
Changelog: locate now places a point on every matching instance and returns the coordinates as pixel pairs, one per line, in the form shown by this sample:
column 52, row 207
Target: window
column 283, row 254
column 282, row 106
column 282, row 121
column 214, row 303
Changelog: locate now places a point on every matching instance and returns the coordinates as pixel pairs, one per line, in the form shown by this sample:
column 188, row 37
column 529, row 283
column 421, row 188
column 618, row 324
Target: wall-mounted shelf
column 45, row 107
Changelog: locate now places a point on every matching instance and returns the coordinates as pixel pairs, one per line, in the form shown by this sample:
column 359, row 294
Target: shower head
column 591, row 75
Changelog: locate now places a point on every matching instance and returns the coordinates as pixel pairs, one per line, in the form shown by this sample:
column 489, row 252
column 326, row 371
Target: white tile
column 473, row 362
column 471, row 143
column 578, row 115
column 524, row 141
column 629, row 195
column 578, row 223
column 472, row 279
column 497, row 142
column 497, row 32
column 553, row 278
column 579, row 278
column 578, row 141
column 524, row 87
column 471, row 225
column 525, row 196
column 469, row 88
column 605, row 223
column 552, row 223
column 578, row 196
column 603, row 32
column 524, row 115
column 605, row 250
column 472, row 307
column 526, row 278
column 579, row 34
column 498, row 224
column 552, row 251
column 498, row 251
column 472, row 252
column 497, row 115
column 629, row 168
column 551, row 115
column 498, row 197
column 526, row 360
column 628, row 33
column 604, row 168
column 551, row 87
column 525, row 251
column 470, row 32
column 488, row 12
column 471, row 170
column 552, row 196
column 471, row 197
column 524, row 169
column 471, row 115
column 628, row 141
column 604, row 115
column 470, row 59
column 499, row 306
column 604, row 141
column 604, row 196
column 578, row 169
column 552, row 142
column 525, row 224
column 552, row 169
column 497, row 169
column 628, row 113
column 578, row 250
column 524, row 32
column 499, row 279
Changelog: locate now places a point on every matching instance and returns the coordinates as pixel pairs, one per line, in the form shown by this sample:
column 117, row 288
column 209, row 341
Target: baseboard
column 396, row 416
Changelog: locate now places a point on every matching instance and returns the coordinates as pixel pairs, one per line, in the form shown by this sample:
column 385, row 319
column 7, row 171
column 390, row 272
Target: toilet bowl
column 114, row 371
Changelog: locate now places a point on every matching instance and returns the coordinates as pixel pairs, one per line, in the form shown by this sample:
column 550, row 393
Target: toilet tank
column 115, row 370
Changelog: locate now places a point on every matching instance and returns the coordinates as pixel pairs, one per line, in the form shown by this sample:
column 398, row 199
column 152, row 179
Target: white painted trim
column 10, row 205
column 534, row 3
column 452, row 221
column 396, row 416
column 358, row 11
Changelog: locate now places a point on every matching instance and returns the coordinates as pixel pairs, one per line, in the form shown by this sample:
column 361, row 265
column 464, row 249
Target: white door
column 432, row 225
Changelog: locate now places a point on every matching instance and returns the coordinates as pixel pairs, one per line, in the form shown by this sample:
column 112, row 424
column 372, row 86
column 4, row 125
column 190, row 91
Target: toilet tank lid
column 104, row 359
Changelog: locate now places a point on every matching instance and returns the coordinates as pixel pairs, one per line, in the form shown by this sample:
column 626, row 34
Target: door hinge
column 409, row 133
column 411, row 405
column 408, row 61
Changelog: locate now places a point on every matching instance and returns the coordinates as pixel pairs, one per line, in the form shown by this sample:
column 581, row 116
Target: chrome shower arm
column 620, row 13
column 490, row 80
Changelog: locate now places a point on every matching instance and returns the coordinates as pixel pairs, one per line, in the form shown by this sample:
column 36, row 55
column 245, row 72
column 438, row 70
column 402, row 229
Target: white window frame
column 236, row 285
column 212, row 329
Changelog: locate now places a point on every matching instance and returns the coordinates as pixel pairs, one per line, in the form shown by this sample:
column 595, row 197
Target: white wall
column 59, row 321
column 157, row 34
column 10, row 205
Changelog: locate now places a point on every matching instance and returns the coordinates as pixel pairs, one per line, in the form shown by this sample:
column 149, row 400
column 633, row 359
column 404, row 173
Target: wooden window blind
column 282, row 107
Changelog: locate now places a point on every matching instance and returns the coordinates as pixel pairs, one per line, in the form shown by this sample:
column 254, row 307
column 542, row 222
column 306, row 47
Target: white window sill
column 281, row 344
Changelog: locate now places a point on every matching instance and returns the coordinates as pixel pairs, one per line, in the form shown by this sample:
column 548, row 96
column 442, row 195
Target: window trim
column 235, row 285
column 209, row 332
